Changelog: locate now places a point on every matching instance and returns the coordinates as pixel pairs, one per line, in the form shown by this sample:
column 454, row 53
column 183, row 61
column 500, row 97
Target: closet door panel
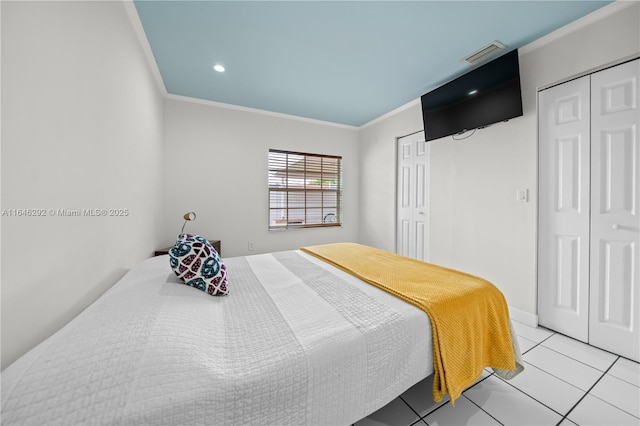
column 405, row 238
column 615, row 223
column 412, row 205
column 563, row 244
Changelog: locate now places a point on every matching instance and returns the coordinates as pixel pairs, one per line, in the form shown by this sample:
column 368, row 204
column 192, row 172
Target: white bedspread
column 296, row 342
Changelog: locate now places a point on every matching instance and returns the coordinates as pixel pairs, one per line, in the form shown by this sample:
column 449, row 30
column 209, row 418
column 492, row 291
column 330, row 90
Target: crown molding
column 576, row 25
column 132, row 12
column 391, row 113
column 257, row 111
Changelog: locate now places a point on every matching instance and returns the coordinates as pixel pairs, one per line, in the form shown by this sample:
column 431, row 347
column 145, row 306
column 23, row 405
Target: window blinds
column 305, row 190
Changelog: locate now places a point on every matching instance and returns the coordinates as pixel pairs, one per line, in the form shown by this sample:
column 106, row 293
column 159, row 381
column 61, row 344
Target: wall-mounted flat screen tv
column 484, row 96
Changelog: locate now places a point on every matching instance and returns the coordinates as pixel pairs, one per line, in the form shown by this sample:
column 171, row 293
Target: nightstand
column 214, row 243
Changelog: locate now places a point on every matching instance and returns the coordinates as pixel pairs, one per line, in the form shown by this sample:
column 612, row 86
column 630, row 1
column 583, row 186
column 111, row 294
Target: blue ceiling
column 345, row 62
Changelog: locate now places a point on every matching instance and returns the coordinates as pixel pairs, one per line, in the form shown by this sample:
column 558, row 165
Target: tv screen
column 484, row 96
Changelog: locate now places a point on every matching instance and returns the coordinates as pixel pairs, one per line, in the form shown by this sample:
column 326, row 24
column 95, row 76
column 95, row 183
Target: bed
column 297, row 341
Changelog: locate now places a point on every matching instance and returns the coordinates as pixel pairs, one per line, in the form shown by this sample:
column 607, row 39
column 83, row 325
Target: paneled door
column 412, row 196
column 589, row 223
column 615, row 220
column 563, row 242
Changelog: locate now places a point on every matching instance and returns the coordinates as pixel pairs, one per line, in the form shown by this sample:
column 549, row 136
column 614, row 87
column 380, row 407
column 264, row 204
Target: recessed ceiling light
column 218, row 68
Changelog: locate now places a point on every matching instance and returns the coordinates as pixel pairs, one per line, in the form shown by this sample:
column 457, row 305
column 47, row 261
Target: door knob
column 616, row 226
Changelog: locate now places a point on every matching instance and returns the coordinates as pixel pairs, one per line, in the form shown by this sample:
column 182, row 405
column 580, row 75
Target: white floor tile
column 396, row 413
column 563, row 367
column 537, row 334
column 510, row 406
column 558, row 372
column 525, row 344
column 464, row 413
column 596, row 358
column 626, row 370
column 594, row 412
column 549, row 390
column 420, row 397
column 618, row 393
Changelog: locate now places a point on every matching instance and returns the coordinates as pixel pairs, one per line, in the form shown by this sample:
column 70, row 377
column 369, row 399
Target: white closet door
column 563, row 243
column 412, row 196
column 615, row 222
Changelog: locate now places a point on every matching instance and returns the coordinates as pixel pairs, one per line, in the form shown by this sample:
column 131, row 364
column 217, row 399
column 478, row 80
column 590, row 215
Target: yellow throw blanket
column 469, row 316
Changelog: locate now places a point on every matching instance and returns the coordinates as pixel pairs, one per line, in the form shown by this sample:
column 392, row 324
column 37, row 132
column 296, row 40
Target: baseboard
column 523, row 317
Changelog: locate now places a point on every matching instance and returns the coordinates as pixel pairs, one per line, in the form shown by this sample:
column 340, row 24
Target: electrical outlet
column 250, row 245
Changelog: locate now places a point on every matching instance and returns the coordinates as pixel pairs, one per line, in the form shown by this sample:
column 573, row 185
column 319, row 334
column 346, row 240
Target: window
column 305, row 190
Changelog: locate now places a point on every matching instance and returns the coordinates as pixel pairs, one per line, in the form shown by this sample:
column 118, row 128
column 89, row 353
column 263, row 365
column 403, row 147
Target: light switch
column 522, row 195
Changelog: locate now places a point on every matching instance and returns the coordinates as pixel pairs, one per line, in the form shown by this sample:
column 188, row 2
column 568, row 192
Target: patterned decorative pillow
column 197, row 263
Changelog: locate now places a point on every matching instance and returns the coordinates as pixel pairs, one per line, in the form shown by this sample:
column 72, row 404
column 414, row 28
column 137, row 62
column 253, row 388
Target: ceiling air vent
column 482, row 54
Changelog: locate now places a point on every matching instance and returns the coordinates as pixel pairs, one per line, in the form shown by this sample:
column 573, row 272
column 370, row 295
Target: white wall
column 81, row 128
column 378, row 174
column 216, row 165
column 476, row 224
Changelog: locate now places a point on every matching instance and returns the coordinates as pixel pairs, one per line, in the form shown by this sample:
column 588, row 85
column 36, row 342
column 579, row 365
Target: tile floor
column 565, row 382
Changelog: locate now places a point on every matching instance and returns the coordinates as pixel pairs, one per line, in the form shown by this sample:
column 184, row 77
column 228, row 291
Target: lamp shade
column 188, row 217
